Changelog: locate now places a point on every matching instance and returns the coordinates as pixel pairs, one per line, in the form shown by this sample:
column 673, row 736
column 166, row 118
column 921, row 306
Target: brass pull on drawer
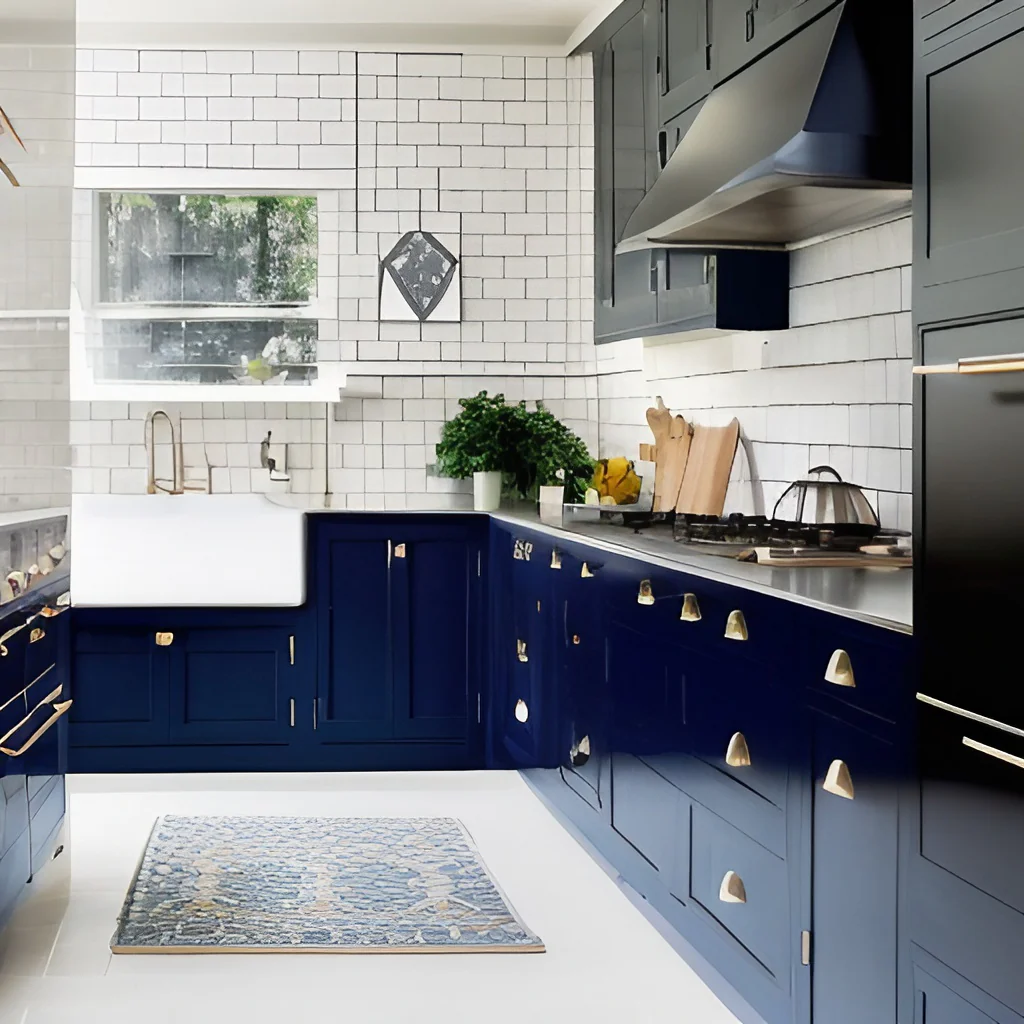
column 36, row 635
column 838, row 780
column 840, row 670
column 691, row 609
column 585, row 572
column 522, row 712
column 164, row 639
column 399, row 551
column 556, row 559
column 736, row 627
column 521, row 651
column 646, row 593
column 738, row 754
column 1002, row 755
column 732, row 889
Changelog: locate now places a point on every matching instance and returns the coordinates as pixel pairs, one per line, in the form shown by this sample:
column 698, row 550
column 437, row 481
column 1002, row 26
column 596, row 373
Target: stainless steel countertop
column 882, row 597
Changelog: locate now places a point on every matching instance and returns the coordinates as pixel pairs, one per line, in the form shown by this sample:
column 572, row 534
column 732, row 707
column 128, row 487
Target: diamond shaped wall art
column 420, row 280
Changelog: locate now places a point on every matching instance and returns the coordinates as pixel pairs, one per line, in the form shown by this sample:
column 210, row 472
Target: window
column 204, row 289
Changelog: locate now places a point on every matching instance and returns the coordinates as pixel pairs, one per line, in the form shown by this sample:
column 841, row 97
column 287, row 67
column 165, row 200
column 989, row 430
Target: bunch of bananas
column 615, row 483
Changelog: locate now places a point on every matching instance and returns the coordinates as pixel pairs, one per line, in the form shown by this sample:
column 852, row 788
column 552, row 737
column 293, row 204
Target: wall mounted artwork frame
column 421, row 279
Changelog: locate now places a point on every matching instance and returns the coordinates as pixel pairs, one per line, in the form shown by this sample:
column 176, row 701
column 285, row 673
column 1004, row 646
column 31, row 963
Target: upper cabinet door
column 741, row 30
column 626, row 286
column 969, row 147
column 684, row 55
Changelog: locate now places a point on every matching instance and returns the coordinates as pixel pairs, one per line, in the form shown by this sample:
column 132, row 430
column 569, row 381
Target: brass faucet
column 177, row 485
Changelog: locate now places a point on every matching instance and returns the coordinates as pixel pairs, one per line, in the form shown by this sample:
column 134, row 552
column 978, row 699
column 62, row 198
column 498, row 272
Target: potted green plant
column 474, row 444
column 560, row 467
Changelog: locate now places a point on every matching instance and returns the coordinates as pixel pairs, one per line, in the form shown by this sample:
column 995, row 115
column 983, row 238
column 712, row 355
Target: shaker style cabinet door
column 232, row 686
column 120, row 687
column 684, row 55
column 968, row 204
column 854, row 898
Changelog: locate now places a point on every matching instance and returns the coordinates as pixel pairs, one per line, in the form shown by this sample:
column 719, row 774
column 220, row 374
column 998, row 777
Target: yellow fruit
column 608, row 500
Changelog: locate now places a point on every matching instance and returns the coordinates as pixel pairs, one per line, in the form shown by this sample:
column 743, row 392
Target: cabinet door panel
column 684, row 53
column 231, row 686
column 973, row 103
column 432, row 584
column 120, row 686
column 943, row 997
column 854, row 878
column 355, row 681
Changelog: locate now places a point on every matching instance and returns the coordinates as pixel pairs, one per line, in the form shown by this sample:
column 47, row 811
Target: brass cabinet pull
column 585, row 572
column 646, row 594
column 7, row 636
column 838, row 780
column 972, row 715
column 538, row 606
column 164, row 639
column 738, row 753
column 732, row 889
column 59, row 711
column 805, row 948
column 978, row 364
column 736, row 627
column 522, row 550
column 576, row 639
column 291, row 649
column 840, row 670
column 36, row 635
column 521, row 651
column 691, row 609
column 579, row 753
column 1002, row 755
column 522, row 712
column 399, row 551
column 291, row 716
column 556, row 559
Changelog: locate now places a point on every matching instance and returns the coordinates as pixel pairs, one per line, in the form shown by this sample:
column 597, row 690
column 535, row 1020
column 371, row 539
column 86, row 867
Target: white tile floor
column 604, row 962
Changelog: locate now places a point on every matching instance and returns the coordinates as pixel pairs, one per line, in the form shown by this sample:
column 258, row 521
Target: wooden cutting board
column 708, row 468
column 673, row 455
column 659, row 419
column 852, row 560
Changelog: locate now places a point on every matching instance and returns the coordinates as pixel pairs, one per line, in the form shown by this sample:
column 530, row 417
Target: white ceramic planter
column 552, row 495
column 486, row 491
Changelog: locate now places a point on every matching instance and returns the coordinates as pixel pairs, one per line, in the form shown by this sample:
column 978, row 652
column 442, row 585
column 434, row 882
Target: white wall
column 833, row 389
column 495, row 149
column 37, row 93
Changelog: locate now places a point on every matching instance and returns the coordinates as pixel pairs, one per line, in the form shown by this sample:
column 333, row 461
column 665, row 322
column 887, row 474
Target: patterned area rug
column 316, row 885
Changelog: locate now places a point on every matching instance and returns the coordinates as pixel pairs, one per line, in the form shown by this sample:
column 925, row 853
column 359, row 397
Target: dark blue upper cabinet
column 231, row 686
column 683, row 31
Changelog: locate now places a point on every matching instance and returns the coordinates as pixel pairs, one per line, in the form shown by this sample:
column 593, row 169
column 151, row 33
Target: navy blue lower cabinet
column 401, row 632
column 231, row 686
column 120, row 680
column 855, row 830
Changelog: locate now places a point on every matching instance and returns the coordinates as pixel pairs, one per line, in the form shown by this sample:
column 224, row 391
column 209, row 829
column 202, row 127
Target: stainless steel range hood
column 814, row 136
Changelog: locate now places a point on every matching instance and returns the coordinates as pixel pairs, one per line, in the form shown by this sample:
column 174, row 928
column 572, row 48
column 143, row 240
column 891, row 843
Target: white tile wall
column 495, row 149
column 834, row 389
column 37, row 93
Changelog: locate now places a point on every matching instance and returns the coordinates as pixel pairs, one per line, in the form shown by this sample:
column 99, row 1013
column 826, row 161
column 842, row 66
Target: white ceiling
column 423, row 24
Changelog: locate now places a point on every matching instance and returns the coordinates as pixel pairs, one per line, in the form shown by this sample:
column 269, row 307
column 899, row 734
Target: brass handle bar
column 977, row 364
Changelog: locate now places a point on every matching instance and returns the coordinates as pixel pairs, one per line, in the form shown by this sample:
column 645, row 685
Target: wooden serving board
column 762, row 556
column 708, row 469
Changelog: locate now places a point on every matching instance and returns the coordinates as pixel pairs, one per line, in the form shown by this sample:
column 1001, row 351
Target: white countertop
column 157, row 551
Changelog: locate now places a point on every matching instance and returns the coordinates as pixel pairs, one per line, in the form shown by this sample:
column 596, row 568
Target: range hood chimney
column 812, row 137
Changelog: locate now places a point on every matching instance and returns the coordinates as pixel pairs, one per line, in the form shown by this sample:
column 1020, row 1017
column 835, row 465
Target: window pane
column 207, row 351
column 208, row 250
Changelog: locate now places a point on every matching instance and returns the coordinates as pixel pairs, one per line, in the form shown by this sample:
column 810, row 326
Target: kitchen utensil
column 819, row 501
column 708, row 468
column 673, row 455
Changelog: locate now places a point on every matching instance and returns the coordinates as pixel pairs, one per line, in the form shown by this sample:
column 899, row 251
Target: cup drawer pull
column 691, row 609
column 840, row 670
column 1002, row 755
column 736, row 627
column 738, row 754
column 521, row 651
column 732, row 889
column 838, row 780
column 646, row 594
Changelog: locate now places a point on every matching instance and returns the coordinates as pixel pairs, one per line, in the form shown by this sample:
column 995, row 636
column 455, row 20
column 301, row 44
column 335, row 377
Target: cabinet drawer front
column 746, row 735
column 645, row 812
column 719, row 855
column 859, row 665
column 972, row 803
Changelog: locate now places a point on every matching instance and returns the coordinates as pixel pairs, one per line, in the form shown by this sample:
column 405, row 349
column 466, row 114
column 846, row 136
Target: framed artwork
column 421, row 280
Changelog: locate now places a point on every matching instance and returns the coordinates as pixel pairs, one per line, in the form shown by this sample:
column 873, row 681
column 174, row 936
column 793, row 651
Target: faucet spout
column 176, row 485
